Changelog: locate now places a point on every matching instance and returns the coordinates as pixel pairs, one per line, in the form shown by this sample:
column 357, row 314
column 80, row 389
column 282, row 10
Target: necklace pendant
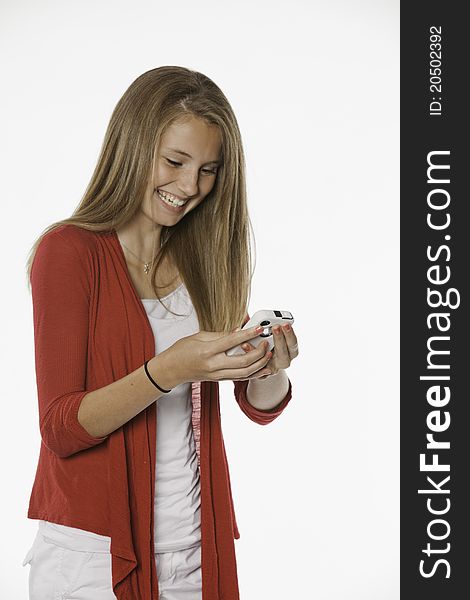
column 146, row 267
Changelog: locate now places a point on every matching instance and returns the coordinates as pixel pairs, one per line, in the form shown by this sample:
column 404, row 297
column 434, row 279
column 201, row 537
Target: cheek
column 162, row 175
column 208, row 185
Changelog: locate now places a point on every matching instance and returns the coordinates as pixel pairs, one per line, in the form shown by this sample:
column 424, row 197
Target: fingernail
column 258, row 329
column 277, row 330
column 287, row 327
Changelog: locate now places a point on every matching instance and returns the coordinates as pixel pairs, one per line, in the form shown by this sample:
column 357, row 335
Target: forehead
column 193, row 136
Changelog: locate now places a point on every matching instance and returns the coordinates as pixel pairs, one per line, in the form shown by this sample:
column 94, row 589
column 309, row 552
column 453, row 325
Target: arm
column 262, row 416
column 263, row 400
column 104, row 410
column 61, row 295
column 266, row 394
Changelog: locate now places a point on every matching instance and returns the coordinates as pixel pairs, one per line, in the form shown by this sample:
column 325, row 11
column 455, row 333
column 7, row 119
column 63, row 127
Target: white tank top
column 177, row 516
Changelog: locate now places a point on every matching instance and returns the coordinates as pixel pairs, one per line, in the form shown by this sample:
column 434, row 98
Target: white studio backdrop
column 315, row 87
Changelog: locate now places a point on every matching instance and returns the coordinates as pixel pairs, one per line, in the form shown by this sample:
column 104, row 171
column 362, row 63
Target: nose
column 188, row 183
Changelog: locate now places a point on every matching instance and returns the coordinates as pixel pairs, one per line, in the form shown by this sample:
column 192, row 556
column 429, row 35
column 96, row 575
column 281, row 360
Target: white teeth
column 170, row 200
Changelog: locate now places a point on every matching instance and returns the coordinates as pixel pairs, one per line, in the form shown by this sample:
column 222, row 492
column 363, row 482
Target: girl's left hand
column 284, row 351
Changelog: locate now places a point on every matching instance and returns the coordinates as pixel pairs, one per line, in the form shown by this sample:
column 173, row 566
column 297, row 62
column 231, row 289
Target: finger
column 257, row 370
column 247, row 347
column 244, row 372
column 236, row 338
column 264, row 373
column 256, row 375
column 291, row 340
column 239, row 361
column 256, row 352
column 245, row 360
column 282, row 351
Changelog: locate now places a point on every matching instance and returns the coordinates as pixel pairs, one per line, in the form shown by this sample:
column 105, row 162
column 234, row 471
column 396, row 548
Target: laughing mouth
column 171, row 199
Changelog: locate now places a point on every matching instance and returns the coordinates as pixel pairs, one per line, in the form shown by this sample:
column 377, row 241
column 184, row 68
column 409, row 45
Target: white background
column 315, row 89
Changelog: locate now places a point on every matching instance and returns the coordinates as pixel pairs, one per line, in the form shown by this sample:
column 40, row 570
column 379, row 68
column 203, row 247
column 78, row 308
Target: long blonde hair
column 210, row 246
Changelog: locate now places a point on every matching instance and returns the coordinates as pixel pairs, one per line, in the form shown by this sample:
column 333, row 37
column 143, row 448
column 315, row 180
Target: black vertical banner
column 435, row 302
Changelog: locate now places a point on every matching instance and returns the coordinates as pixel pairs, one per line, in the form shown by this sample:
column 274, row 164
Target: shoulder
column 63, row 265
column 74, row 235
column 73, row 240
column 67, row 247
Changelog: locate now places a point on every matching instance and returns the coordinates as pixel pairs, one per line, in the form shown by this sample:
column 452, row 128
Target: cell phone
column 266, row 319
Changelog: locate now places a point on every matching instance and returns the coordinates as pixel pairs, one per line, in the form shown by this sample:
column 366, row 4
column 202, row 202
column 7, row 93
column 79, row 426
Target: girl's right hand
column 201, row 357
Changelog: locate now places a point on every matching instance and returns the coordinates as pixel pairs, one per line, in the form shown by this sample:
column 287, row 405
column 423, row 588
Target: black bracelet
column 154, row 382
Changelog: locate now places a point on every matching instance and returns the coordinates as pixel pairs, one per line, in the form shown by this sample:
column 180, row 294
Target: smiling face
column 186, row 166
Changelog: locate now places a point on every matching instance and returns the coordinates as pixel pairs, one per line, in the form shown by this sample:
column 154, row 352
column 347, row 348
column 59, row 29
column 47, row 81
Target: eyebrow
column 210, row 162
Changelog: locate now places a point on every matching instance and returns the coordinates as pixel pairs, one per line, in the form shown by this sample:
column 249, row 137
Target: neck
column 141, row 235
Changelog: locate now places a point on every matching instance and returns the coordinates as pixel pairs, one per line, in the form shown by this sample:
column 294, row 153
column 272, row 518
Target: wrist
column 281, row 374
column 163, row 372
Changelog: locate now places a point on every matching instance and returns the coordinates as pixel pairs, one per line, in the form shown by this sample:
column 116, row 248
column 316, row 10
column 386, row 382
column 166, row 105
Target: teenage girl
column 136, row 298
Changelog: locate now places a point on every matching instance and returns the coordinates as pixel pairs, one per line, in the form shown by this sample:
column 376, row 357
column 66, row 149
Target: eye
column 174, row 163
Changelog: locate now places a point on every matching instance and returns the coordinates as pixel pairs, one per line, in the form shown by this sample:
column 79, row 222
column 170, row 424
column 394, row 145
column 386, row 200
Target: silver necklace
column 147, row 265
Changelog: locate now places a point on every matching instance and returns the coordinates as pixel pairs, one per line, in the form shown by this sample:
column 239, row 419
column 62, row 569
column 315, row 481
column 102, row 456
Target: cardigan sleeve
column 61, row 292
column 262, row 417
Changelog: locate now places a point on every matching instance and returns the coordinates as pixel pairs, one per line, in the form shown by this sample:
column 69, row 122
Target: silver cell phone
column 266, row 319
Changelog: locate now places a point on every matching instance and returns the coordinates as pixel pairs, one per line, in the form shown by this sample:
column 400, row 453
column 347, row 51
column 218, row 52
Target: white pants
column 64, row 568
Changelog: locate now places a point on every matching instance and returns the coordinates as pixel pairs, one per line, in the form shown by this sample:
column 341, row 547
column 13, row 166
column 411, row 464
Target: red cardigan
column 90, row 329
